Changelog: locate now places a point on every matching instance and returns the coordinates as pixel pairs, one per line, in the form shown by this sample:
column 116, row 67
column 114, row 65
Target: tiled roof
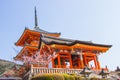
column 43, row 31
column 62, row 41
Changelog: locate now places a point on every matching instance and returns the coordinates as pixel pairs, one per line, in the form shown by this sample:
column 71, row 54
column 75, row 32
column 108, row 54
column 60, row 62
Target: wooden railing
column 40, row 70
column 43, row 70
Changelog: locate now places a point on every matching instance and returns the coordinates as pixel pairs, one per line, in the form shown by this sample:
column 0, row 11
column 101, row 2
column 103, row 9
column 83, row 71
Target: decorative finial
column 36, row 23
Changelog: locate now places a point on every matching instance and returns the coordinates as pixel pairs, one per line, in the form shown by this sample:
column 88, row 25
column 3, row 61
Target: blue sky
column 89, row 20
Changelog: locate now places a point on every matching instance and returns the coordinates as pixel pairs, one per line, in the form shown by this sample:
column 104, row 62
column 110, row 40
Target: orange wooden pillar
column 85, row 60
column 98, row 63
column 71, row 66
column 95, row 62
column 81, row 59
column 59, row 63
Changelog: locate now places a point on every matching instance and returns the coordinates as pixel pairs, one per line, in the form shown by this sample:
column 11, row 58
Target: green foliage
column 78, row 78
column 68, row 77
column 62, row 77
column 58, row 77
column 53, row 77
column 43, row 77
column 6, row 65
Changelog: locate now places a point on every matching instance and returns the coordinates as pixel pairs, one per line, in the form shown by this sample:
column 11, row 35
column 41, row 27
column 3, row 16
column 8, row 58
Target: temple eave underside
column 28, row 34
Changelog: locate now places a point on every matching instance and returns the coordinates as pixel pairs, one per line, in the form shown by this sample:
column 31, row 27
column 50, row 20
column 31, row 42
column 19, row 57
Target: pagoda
column 47, row 52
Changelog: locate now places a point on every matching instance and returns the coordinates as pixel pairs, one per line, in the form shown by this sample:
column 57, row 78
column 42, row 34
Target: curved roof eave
column 42, row 31
column 37, row 29
column 16, row 43
column 22, row 50
column 69, row 42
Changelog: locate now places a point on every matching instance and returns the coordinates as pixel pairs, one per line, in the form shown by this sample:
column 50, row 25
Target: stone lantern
column 104, row 73
column 86, row 72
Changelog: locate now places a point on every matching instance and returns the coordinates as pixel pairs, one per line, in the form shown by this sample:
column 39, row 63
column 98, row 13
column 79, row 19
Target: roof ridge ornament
column 36, row 22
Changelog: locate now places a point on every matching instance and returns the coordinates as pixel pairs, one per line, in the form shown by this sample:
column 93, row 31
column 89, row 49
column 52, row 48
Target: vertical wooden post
column 87, row 62
column 95, row 62
column 31, row 72
column 71, row 66
column 85, row 59
column 31, row 68
column 98, row 63
column 81, row 59
column 59, row 63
